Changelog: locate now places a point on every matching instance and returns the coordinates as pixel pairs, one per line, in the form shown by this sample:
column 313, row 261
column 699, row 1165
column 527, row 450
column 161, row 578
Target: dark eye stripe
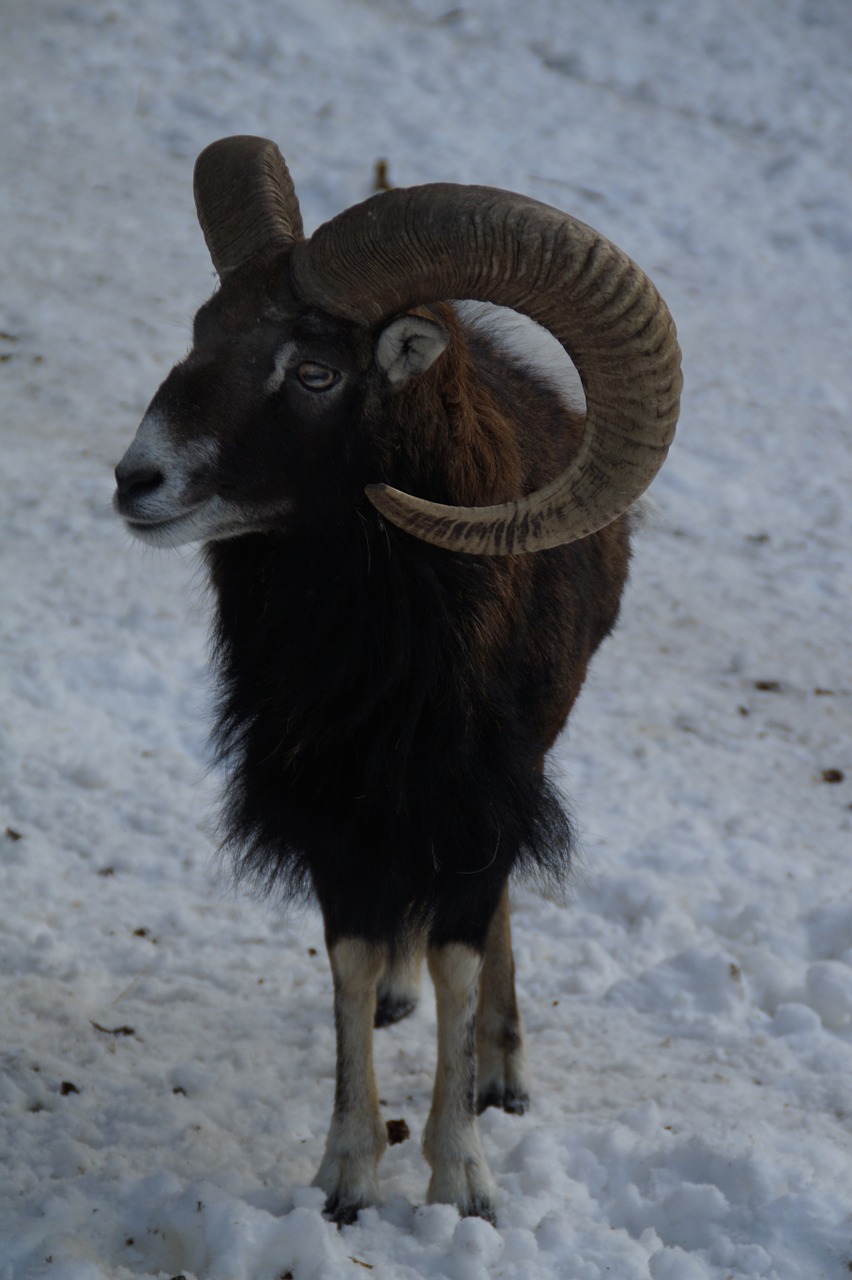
column 316, row 377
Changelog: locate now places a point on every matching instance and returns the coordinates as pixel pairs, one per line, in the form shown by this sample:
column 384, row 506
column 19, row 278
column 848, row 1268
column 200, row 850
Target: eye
column 316, row 377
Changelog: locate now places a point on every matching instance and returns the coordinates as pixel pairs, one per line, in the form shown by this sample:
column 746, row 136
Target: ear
column 408, row 346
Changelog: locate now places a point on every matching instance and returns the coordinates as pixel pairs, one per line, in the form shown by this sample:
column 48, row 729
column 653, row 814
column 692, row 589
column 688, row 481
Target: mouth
column 172, row 531
column 209, row 521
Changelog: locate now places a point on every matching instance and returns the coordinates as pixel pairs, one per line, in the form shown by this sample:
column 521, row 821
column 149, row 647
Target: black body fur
column 373, row 756
column 385, row 705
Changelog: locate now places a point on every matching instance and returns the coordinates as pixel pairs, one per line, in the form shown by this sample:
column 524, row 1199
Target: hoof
column 480, row 1209
column 349, row 1182
column 342, row 1215
column 465, row 1181
column 506, row 1099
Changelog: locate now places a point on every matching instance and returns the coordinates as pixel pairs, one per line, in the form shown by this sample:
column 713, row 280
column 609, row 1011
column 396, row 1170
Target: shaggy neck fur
column 371, row 756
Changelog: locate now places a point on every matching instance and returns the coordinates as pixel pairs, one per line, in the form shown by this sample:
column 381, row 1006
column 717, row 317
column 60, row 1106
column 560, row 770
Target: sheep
column 415, row 548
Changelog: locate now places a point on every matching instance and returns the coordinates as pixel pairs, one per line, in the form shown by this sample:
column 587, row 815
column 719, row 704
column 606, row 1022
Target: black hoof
column 480, row 1209
column 343, row 1215
column 506, row 1099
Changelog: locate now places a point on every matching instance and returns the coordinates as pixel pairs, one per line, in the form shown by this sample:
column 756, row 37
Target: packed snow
column 167, row 1043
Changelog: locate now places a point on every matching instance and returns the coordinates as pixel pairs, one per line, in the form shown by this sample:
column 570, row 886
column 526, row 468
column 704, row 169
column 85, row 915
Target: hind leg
column 503, row 1078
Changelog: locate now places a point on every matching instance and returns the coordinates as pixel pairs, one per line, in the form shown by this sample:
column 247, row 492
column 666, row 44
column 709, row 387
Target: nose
column 136, row 481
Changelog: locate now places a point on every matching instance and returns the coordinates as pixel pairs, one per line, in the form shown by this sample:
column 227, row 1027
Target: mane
column 358, row 733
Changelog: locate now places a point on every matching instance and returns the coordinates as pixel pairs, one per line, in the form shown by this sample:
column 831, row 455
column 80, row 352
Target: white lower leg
column 451, row 1142
column 357, row 1136
column 503, row 1078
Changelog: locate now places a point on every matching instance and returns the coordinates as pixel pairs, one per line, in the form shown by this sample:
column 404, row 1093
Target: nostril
column 138, row 481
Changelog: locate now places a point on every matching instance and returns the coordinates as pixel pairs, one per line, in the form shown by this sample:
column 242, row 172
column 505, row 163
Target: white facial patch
column 154, row 448
column 283, row 361
column 180, row 507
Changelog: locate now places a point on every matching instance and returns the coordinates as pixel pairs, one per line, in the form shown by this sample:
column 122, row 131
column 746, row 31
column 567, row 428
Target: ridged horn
column 412, row 246
column 245, row 199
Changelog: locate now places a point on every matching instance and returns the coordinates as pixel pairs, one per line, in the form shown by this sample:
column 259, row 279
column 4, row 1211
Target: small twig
column 381, row 179
column 113, row 1031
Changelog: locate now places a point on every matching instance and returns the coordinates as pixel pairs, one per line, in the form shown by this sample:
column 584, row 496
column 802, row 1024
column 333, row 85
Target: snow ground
column 167, row 1047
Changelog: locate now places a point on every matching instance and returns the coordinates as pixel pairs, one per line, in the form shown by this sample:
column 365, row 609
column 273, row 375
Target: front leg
column 357, row 1137
column 451, row 1142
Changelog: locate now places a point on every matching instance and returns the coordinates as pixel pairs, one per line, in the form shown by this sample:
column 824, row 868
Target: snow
column 167, row 1045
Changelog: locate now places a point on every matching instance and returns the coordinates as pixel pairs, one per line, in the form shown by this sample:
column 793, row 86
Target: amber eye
column 316, row 377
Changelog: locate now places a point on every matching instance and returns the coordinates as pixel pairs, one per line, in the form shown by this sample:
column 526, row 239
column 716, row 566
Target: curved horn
column 245, row 200
column 408, row 247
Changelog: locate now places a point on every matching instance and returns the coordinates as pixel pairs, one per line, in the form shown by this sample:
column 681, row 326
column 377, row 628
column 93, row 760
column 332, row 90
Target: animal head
column 280, row 400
